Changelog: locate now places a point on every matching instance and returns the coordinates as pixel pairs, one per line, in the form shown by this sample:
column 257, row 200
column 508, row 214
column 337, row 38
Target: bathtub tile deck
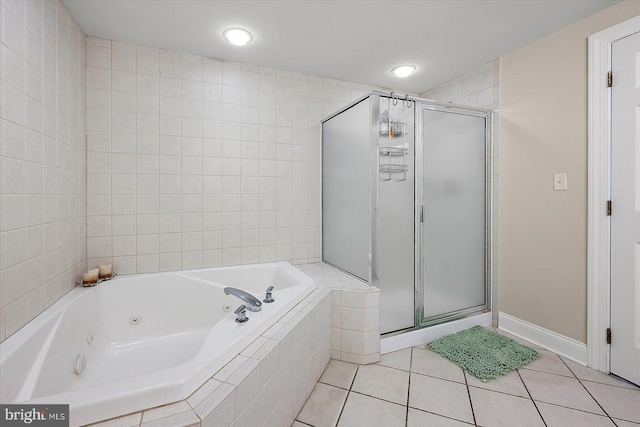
column 183, row 419
column 266, row 384
column 165, row 411
column 132, row 420
column 552, row 391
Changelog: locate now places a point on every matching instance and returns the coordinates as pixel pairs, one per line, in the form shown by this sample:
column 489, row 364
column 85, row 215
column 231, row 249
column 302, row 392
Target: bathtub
column 145, row 340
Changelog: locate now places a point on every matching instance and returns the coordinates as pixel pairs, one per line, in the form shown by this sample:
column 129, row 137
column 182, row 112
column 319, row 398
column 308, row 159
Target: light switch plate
column 559, row 182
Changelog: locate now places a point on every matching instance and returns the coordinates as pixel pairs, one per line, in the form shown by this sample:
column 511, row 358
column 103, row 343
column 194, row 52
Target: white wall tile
column 42, row 117
column 209, row 137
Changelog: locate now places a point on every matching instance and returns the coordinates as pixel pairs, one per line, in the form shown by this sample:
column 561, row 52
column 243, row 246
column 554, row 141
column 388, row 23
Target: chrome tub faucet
column 252, row 303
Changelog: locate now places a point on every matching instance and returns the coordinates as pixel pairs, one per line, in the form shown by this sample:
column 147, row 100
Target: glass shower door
column 454, row 214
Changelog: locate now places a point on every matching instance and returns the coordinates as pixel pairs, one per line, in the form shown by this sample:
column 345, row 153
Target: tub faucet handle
column 242, row 314
column 268, row 298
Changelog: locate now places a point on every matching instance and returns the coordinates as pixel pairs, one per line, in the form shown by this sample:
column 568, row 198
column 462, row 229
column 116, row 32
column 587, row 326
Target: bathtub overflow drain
column 134, row 320
column 81, row 363
column 90, row 338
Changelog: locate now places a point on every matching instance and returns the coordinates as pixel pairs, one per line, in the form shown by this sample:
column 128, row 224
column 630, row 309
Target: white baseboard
column 564, row 346
column 421, row 336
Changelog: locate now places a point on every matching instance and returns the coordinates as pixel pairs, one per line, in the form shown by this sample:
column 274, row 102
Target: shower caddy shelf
column 394, row 151
column 393, row 129
column 397, row 129
column 393, row 168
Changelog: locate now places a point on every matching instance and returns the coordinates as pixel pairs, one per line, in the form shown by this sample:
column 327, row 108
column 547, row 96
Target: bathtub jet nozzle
column 252, row 303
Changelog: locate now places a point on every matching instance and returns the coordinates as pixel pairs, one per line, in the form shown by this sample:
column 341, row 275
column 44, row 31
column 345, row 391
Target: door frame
column 599, row 184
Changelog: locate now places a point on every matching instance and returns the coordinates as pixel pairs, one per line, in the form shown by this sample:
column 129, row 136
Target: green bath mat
column 484, row 354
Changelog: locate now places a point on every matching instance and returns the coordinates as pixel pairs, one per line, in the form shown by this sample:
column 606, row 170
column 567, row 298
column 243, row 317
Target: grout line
column 406, row 420
column 498, row 391
column 531, row 397
column 354, row 377
column 440, row 378
column 545, row 372
column 473, row 413
column 332, row 385
column 586, row 389
column 611, row 385
column 392, row 367
column 348, row 393
column 622, row 419
column 577, row 410
column 440, row 415
column 599, row 382
column 378, row 398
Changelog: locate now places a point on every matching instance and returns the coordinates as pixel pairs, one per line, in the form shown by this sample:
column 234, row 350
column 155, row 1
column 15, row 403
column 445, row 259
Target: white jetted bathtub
column 141, row 341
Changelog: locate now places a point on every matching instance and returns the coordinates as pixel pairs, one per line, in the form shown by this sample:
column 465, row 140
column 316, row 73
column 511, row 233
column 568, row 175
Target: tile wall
column 355, row 315
column 195, row 162
column 355, row 325
column 42, row 158
column 480, row 87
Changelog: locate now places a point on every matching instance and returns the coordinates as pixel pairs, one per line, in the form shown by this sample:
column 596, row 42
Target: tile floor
column 415, row 387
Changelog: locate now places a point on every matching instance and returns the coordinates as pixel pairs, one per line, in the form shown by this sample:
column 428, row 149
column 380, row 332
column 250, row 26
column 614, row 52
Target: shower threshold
column 415, row 337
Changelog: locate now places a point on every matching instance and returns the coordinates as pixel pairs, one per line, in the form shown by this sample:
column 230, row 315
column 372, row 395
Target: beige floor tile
column 339, row 374
column 323, row 407
column 509, row 383
column 419, row 418
column 440, row 397
column 549, row 362
column 365, row 411
column 494, row 409
column 559, row 390
column 619, row 402
column 585, row 373
column 429, row 363
column 298, row 424
column 382, row 382
column 400, row 359
column 557, row 416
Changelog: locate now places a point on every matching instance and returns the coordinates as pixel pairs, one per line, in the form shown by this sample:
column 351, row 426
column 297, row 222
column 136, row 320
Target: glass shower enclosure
column 405, row 205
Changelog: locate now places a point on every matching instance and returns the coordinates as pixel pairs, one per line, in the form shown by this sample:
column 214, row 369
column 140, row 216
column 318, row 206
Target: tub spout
column 252, row 303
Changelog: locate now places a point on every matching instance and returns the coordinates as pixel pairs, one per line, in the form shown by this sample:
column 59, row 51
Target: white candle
column 104, row 270
column 90, row 277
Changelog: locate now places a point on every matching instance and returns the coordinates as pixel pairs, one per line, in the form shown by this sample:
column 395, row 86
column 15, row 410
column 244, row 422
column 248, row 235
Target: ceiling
column 348, row 40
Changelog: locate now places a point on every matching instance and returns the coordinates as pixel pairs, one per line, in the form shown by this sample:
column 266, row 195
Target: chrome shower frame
column 418, row 105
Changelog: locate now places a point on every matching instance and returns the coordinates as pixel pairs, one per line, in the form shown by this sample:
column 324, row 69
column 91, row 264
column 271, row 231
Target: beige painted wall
column 543, row 276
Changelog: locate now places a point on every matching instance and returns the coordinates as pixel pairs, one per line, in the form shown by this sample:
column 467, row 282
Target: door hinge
column 608, row 207
column 610, row 79
column 421, row 213
column 608, row 335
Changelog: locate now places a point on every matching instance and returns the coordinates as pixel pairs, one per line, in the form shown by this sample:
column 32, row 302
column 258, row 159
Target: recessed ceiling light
column 237, row 36
column 403, row 70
